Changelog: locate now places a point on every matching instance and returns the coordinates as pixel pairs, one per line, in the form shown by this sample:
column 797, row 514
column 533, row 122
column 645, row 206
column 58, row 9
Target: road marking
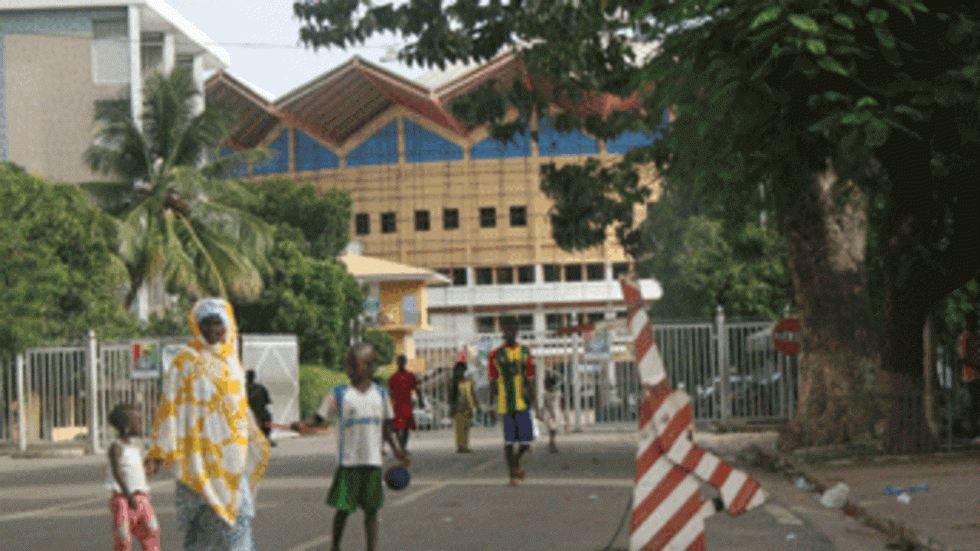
column 48, row 510
column 307, row 545
column 782, row 515
column 415, row 495
column 486, row 465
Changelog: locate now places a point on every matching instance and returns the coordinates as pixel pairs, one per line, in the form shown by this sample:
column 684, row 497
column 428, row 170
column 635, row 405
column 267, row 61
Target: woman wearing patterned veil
column 205, row 433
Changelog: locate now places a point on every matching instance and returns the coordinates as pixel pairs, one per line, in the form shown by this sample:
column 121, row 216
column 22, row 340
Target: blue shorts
column 517, row 427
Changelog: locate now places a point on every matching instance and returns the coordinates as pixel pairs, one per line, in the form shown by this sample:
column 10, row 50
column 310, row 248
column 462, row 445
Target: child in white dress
column 551, row 412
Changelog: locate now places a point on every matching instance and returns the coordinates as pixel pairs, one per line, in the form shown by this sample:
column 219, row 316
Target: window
column 594, row 317
column 362, row 223
column 552, row 272
column 110, row 51
column 388, row 222
column 622, row 314
column 553, row 322
column 445, row 272
column 525, row 274
column 620, row 268
column 525, row 322
column 484, row 276
column 485, row 324
column 505, row 275
column 410, row 309
column 573, row 272
column 450, row 219
column 595, row 272
column 518, row 216
column 459, row 276
column 421, row 220
column 488, row 217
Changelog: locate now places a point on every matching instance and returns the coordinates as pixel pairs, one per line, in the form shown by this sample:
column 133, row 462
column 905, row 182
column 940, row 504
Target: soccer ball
column 397, row 478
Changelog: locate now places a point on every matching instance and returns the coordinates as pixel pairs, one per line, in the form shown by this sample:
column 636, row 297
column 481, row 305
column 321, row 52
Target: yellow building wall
column 467, row 185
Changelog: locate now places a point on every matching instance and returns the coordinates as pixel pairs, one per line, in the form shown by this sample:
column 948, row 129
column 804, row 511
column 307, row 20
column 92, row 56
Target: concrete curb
column 898, row 535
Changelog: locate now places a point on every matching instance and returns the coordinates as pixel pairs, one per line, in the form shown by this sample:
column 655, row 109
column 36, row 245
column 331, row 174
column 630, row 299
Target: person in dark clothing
column 258, row 402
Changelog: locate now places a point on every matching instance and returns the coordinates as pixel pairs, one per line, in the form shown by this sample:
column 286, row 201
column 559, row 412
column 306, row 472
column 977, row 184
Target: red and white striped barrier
column 668, row 510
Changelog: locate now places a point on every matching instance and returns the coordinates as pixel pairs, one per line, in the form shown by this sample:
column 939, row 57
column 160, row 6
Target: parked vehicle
column 749, row 394
column 434, row 415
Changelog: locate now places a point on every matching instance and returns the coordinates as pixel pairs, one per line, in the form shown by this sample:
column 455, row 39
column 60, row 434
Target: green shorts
column 356, row 487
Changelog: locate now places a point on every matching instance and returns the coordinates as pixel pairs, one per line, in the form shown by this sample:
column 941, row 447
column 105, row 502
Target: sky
column 262, row 37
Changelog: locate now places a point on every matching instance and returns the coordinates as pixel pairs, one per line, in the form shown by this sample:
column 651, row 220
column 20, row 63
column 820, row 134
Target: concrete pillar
column 135, row 65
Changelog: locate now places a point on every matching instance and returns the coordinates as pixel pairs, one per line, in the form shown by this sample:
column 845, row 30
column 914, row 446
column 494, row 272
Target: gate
column 731, row 370
column 58, row 395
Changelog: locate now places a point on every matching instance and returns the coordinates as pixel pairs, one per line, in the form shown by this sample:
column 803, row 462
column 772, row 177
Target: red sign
column 786, row 336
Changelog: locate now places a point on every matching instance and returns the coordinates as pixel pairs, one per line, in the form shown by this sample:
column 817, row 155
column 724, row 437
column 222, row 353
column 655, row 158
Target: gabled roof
column 256, row 116
column 340, row 102
column 335, row 105
column 367, row 269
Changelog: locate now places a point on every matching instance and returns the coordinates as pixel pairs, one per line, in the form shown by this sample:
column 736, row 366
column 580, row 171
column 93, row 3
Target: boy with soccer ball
column 364, row 413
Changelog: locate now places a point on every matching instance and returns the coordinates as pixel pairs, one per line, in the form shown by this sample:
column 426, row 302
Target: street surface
column 575, row 500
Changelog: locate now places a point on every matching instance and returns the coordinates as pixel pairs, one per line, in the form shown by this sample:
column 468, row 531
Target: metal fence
column 59, row 395
column 731, row 370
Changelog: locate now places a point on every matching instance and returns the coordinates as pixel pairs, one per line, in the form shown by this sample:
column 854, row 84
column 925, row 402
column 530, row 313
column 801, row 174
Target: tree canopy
column 855, row 116
column 61, row 274
column 308, row 291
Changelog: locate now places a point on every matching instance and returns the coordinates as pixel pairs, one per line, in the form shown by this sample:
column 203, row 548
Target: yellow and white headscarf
column 203, row 427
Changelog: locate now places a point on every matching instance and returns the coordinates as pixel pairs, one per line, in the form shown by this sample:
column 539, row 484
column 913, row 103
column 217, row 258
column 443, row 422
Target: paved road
column 575, row 500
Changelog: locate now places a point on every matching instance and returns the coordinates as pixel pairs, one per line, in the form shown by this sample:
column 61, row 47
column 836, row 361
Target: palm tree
column 181, row 223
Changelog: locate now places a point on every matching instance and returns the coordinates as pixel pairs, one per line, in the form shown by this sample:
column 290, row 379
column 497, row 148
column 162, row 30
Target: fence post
column 21, row 405
column 94, row 425
column 576, row 384
column 725, row 384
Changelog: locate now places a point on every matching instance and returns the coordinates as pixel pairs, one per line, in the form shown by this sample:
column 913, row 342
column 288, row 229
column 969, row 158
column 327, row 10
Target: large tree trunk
column 826, row 229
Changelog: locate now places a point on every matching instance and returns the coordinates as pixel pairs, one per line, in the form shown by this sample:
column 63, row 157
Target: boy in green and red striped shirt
column 511, row 373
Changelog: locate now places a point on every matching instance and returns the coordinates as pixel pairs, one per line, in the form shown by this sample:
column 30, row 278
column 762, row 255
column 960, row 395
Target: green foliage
column 313, row 299
column 60, row 274
column 315, row 381
column 177, row 222
column 384, row 346
column 324, row 219
column 744, row 270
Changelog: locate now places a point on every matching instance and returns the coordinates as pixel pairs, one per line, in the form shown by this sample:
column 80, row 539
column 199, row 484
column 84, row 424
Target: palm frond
column 181, row 250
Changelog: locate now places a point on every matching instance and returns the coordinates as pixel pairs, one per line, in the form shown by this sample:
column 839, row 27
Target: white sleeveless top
column 130, row 469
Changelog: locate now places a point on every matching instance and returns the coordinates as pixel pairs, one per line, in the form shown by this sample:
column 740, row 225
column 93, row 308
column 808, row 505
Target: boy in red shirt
column 401, row 385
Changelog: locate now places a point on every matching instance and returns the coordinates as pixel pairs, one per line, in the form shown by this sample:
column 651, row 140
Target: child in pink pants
column 132, row 514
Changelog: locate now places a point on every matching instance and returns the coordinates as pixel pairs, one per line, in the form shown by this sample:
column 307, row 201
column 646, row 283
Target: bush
column 315, row 381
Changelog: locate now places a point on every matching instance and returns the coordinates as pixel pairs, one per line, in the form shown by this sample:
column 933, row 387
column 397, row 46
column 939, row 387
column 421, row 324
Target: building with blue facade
column 429, row 191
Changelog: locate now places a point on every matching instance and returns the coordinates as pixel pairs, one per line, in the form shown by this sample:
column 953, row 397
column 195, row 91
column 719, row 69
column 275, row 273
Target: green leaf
column 876, row 133
column 877, row 16
column 910, row 111
column 844, row 21
column 855, row 118
column 867, row 101
column 817, row 47
column 885, row 37
column 830, row 64
column 834, row 96
column 805, row 23
column 969, row 71
column 768, row 16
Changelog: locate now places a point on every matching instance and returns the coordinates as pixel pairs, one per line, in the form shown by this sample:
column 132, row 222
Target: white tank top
column 130, row 469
